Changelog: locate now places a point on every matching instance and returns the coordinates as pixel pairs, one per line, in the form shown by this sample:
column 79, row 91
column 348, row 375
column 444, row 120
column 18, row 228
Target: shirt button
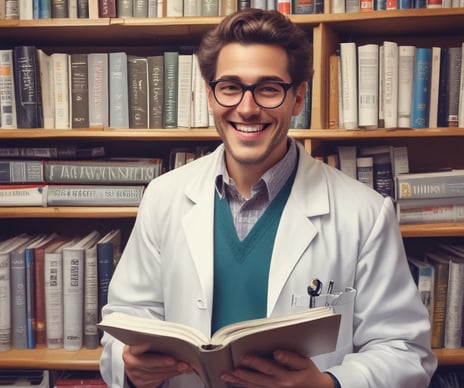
column 201, row 304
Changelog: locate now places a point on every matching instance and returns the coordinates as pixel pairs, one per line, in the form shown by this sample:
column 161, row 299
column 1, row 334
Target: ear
column 299, row 98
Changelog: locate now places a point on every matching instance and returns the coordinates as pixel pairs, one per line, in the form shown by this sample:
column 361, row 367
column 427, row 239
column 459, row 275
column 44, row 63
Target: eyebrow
column 260, row 79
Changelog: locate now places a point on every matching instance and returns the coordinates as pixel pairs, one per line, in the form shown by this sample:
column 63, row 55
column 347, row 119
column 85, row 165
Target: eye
column 228, row 87
column 269, row 89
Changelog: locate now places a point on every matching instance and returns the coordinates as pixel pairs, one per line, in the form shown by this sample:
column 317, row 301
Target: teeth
column 249, row 128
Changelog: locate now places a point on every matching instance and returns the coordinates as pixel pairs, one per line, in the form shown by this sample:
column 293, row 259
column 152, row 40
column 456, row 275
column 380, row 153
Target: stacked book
column 29, row 179
column 430, row 197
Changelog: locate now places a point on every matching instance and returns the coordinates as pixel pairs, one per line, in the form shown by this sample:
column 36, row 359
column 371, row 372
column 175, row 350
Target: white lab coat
column 332, row 227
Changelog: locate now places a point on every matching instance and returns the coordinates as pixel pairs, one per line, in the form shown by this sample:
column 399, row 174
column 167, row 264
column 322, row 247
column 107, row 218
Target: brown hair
column 263, row 27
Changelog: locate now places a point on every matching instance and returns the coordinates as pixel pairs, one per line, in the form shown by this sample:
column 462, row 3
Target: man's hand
column 149, row 370
column 286, row 370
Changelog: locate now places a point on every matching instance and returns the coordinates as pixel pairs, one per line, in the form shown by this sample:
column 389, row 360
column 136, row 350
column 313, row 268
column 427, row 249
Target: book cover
column 155, row 66
column 334, row 87
column 102, row 171
column 368, row 86
column 406, row 58
column 209, row 7
column 21, row 171
column 430, row 184
column 107, row 8
column 434, row 87
column 192, row 8
column 171, row 69
column 79, row 91
column 421, row 88
column 60, row 8
column 60, row 81
column 227, row 7
column 83, row 9
column 27, row 87
column 7, row 91
column 174, row 8
column 119, row 92
column 94, row 195
column 443, row 89
column 137, row 72
column 124, row 8
column 98, row 89
column 430, row 210
column 311, row 332
column 73, row 291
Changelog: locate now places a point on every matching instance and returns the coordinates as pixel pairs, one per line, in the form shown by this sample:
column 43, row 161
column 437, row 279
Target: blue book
column 421, row 88
column 45, row 11
column 30, row 302
column 404, row 4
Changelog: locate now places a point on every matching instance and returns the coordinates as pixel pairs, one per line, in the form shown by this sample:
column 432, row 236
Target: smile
column 250, row 128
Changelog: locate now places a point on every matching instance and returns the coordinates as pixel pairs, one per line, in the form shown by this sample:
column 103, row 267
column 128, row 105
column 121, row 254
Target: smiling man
column 240, row 233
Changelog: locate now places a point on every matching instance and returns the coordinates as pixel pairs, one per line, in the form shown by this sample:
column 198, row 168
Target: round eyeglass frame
column 286, row 86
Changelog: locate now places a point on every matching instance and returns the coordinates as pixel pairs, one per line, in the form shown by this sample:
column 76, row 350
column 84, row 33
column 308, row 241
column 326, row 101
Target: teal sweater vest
column 241, row 268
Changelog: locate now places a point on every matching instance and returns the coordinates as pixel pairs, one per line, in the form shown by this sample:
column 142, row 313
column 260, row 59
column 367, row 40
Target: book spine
column 27, row 87
column 79, row 91
column 53, row 286
column 138, row 92
column 107, row 8
column 439, row 304
column 210, row 8
column 174, row 8
column 5, row 306
column 19, row 171
column 60, row 80
column 454, row 79
column 430, row 214
column 352, row 6
column 443, row 89
column 284, row 6
column 334, row 62
column 91, row 310
column 140, row 8
column 461, row 93
column 92, row 195
column 192, row 8
column 365, row 170
column 30, row 298
column 119, row 92
column 303, row 7
column 368, row 86
column 347, row 160
column 227, row 7
column 83, row 9
column 21, row 195
column 59, row 8
column 349, row 86
column 411, row 186
column 155, row 91
column 7, row 91
column 39, row 295
column 406, row 57
column 98, row 89
column 184, row 90
column 124, row 8
column 434, row 87
column 171, row 68
column 121, row 174
column 390, row 84
column 105, row 254
column 73, row 298
column 11, row 9
column 243, row 4
column 454, row 306
column 421, row 88
column 18, row 300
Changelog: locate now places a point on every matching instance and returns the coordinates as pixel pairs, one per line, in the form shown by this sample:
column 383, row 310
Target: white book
column 98, row 89
column 390, row 84
column 184, row 90
column 347, row 160
column 7, row 91
column 72, row 9
column 46, row 88
column 152, row 8
column 61, row 95
column 434, row 87
column 461, row 95
column 261, row 4
column 73, row 291
column 406, row 55
column 368, row 86
column 337, row 6
column 381, row 86
column 26, row 11
column 349, row 84
column 192, row 8
column 199, row 112
column 341, row 120
column 174, row 8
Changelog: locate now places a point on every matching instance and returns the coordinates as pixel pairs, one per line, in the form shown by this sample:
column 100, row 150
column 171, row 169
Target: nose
column 248, row 104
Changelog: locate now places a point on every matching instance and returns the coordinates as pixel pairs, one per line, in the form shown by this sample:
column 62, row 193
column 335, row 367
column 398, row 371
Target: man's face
column 254, row 137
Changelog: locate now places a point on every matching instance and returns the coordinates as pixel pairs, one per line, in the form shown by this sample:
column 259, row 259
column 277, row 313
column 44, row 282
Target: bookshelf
column 427, row 148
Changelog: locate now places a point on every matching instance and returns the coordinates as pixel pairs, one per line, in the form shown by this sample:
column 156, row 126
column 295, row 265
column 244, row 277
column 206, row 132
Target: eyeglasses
column 267, row 95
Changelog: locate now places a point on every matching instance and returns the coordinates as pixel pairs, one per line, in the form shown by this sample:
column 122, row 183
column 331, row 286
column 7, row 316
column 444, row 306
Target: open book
column 309, row 333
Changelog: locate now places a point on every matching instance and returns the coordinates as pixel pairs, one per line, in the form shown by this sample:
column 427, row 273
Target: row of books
column 392, row 85
column 105, row 90
column 349, row 6
column 53, row 287
column 439, row 275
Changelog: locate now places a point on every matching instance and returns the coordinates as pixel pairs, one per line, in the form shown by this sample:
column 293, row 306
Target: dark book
column 443, row 89
column 140, row 9
column 59, row 8
column 454, row 81
column 107, row 8
column 21, row 171
column 79, row 91
column 171, row 80
column 82, row 9
column 27, row 87
column 155, row 90
column 421, row 88
column 303, row 6
column 137, row 74
column 243, row 4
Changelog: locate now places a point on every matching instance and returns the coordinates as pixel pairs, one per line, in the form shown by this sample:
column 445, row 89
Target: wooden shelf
column 450, row 356
column 43, row 358
column 68, row 212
